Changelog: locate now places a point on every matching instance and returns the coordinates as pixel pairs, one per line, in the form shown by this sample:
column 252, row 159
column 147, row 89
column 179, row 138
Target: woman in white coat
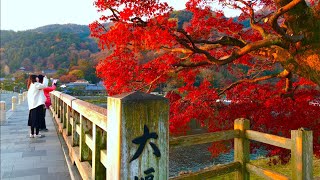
column 36, row 101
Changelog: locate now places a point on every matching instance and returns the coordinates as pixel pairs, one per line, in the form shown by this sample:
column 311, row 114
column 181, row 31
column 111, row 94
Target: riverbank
column 284, row 169
column 97, row 100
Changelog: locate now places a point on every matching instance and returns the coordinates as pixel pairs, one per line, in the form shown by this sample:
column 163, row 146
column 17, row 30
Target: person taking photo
column 36, row 101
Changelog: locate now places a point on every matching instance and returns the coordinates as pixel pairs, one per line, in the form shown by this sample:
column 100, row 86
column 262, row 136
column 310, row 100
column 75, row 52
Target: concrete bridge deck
column 30, row 158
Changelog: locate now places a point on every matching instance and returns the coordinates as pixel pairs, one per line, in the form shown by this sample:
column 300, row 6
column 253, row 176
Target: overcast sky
column 20, row 15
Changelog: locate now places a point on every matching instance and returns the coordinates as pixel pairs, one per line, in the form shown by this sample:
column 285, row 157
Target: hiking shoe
column 39, row 136
column 31, row 136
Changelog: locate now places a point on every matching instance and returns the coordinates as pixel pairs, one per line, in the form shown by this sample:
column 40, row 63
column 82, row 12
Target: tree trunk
column 303, row 57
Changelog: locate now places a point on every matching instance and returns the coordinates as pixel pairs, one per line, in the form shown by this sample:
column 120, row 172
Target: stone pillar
column 137, row 136
column 23, row 96
column 2, row 112
column 14, row 103
column 26, row 95
column 20, row 98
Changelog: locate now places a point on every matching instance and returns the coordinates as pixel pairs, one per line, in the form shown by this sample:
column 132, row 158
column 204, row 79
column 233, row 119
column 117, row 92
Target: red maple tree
column 270, row 71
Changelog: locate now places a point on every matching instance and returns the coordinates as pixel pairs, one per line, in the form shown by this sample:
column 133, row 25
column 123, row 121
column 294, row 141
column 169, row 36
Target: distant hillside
column 67, row 28
column 47, row 47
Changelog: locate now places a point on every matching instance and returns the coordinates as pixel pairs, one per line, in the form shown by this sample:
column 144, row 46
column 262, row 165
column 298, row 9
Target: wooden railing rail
column 269, row 139
column 265, row 173
column 110, row 143
column 203, row 138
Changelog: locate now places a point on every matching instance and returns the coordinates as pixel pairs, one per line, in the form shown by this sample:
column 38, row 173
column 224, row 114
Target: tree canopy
column 270, row 71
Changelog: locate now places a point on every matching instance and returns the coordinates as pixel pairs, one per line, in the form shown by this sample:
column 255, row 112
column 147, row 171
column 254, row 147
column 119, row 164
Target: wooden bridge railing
column 127, row 141
column 130, row 140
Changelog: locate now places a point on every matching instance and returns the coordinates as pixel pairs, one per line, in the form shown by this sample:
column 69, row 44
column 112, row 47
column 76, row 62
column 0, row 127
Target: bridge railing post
column 302, row 154
column 24, row 95
column 137, row 136
column 14, row 103
column 2, row 112
column 242, row 148
column 19, row 98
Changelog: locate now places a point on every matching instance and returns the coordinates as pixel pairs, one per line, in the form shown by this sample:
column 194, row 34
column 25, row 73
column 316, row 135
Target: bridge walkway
column 27, row 158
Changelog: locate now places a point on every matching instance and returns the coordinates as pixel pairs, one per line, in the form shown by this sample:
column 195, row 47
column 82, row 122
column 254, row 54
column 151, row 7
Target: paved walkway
column 30, row 158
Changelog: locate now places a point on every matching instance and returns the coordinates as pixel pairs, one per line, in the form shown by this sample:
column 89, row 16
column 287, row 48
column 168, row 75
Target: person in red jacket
column 47, row 91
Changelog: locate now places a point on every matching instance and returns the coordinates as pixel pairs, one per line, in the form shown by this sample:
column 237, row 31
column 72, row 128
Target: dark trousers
column 32, row 130
column 43, row 119
column 36, row 117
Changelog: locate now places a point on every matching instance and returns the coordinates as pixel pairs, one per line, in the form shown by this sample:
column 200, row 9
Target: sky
column 19, row 15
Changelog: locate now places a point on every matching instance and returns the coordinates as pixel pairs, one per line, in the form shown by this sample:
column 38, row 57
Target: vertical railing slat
column 85, row 152
column 99, row 143
column 75, row 136
column 67, row 119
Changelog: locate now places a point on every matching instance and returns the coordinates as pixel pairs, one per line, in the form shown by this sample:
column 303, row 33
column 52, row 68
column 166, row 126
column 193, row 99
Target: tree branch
column 139, row 22
column 224, row 40
column 288, row 82
column 151, row 84
column 273, row 21
column 191, row 65
column 115, row 14
column 253, row 23
column 282, row 74
column 104, row 28
column 236, row 53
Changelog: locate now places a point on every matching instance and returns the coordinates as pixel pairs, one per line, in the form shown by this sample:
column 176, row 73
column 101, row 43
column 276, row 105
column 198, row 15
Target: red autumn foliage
column 149, row 49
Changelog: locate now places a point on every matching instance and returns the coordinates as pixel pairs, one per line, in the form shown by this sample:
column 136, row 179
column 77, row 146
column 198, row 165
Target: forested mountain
column 68, row 28
column 58, row 47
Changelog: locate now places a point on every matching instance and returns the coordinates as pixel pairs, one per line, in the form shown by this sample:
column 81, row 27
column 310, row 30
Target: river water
column 194, row 158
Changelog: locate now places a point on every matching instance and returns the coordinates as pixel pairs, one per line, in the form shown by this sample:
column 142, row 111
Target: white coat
column 36, row 95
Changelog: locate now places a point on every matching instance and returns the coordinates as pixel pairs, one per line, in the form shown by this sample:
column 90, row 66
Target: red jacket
column 46, row 91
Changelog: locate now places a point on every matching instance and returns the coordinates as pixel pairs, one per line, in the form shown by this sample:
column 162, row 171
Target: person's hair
column 40, row 76
column 32, row 79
